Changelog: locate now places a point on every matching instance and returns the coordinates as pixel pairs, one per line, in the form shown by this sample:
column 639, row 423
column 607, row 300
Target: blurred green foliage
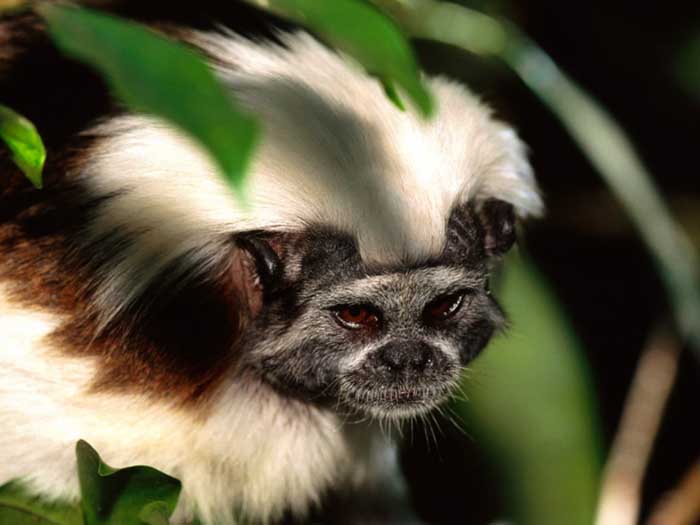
column 154, row 75
column 530, row 402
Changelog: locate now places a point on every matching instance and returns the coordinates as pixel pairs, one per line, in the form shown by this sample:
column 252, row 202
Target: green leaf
column 153, row 74
column 365, row 34
column 155, row 513
column 130, row 496
column 393, row 95
column 531, row 403
column 18, row 507
column 24, row 142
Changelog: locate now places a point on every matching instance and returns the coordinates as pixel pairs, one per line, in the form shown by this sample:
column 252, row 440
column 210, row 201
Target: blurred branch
column 681, row 506
column 593, row 129
column 629, row 455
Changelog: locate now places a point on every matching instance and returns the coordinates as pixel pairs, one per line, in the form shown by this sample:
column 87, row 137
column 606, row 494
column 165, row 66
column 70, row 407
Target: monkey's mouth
column 394, row 401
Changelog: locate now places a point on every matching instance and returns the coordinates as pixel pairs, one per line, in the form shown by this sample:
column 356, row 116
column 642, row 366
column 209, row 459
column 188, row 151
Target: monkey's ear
column 255, row 270
column 498, row 220
column 268, row 265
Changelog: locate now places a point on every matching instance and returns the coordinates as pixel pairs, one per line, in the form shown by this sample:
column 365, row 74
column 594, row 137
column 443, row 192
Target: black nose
column 406, row 357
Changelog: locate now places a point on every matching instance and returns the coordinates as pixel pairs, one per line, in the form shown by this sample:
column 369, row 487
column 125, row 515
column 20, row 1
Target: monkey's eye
column 356, row 316
column 443, row 307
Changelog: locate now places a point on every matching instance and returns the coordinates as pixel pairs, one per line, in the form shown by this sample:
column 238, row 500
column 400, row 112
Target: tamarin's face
column 384, row 341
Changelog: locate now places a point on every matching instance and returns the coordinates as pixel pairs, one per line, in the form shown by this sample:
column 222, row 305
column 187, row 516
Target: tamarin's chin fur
column 143, row 309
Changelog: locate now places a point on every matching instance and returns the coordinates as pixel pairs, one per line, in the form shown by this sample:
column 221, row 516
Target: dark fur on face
column 388, row 341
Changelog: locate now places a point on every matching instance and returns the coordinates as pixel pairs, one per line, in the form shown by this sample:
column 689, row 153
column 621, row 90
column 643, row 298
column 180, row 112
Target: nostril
column 406, row 357
column 421, row 359
column 394, row 357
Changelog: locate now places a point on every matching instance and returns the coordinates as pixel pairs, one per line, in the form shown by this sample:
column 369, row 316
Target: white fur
column 245, row 455
column 334, row 151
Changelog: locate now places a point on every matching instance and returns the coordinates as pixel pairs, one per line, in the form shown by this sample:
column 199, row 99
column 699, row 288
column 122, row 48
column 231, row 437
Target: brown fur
column 176, row 345
column 172, row 344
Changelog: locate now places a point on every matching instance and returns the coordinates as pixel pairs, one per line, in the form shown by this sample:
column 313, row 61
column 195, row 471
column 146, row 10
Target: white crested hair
column 334, row 151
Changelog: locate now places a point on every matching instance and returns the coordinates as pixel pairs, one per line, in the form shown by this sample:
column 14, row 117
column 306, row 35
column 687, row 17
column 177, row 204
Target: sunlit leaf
column 23, row 140
column 18, row 507
column 153, row 74
column 365, row 34
column 130, row 496
column 531, row 404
